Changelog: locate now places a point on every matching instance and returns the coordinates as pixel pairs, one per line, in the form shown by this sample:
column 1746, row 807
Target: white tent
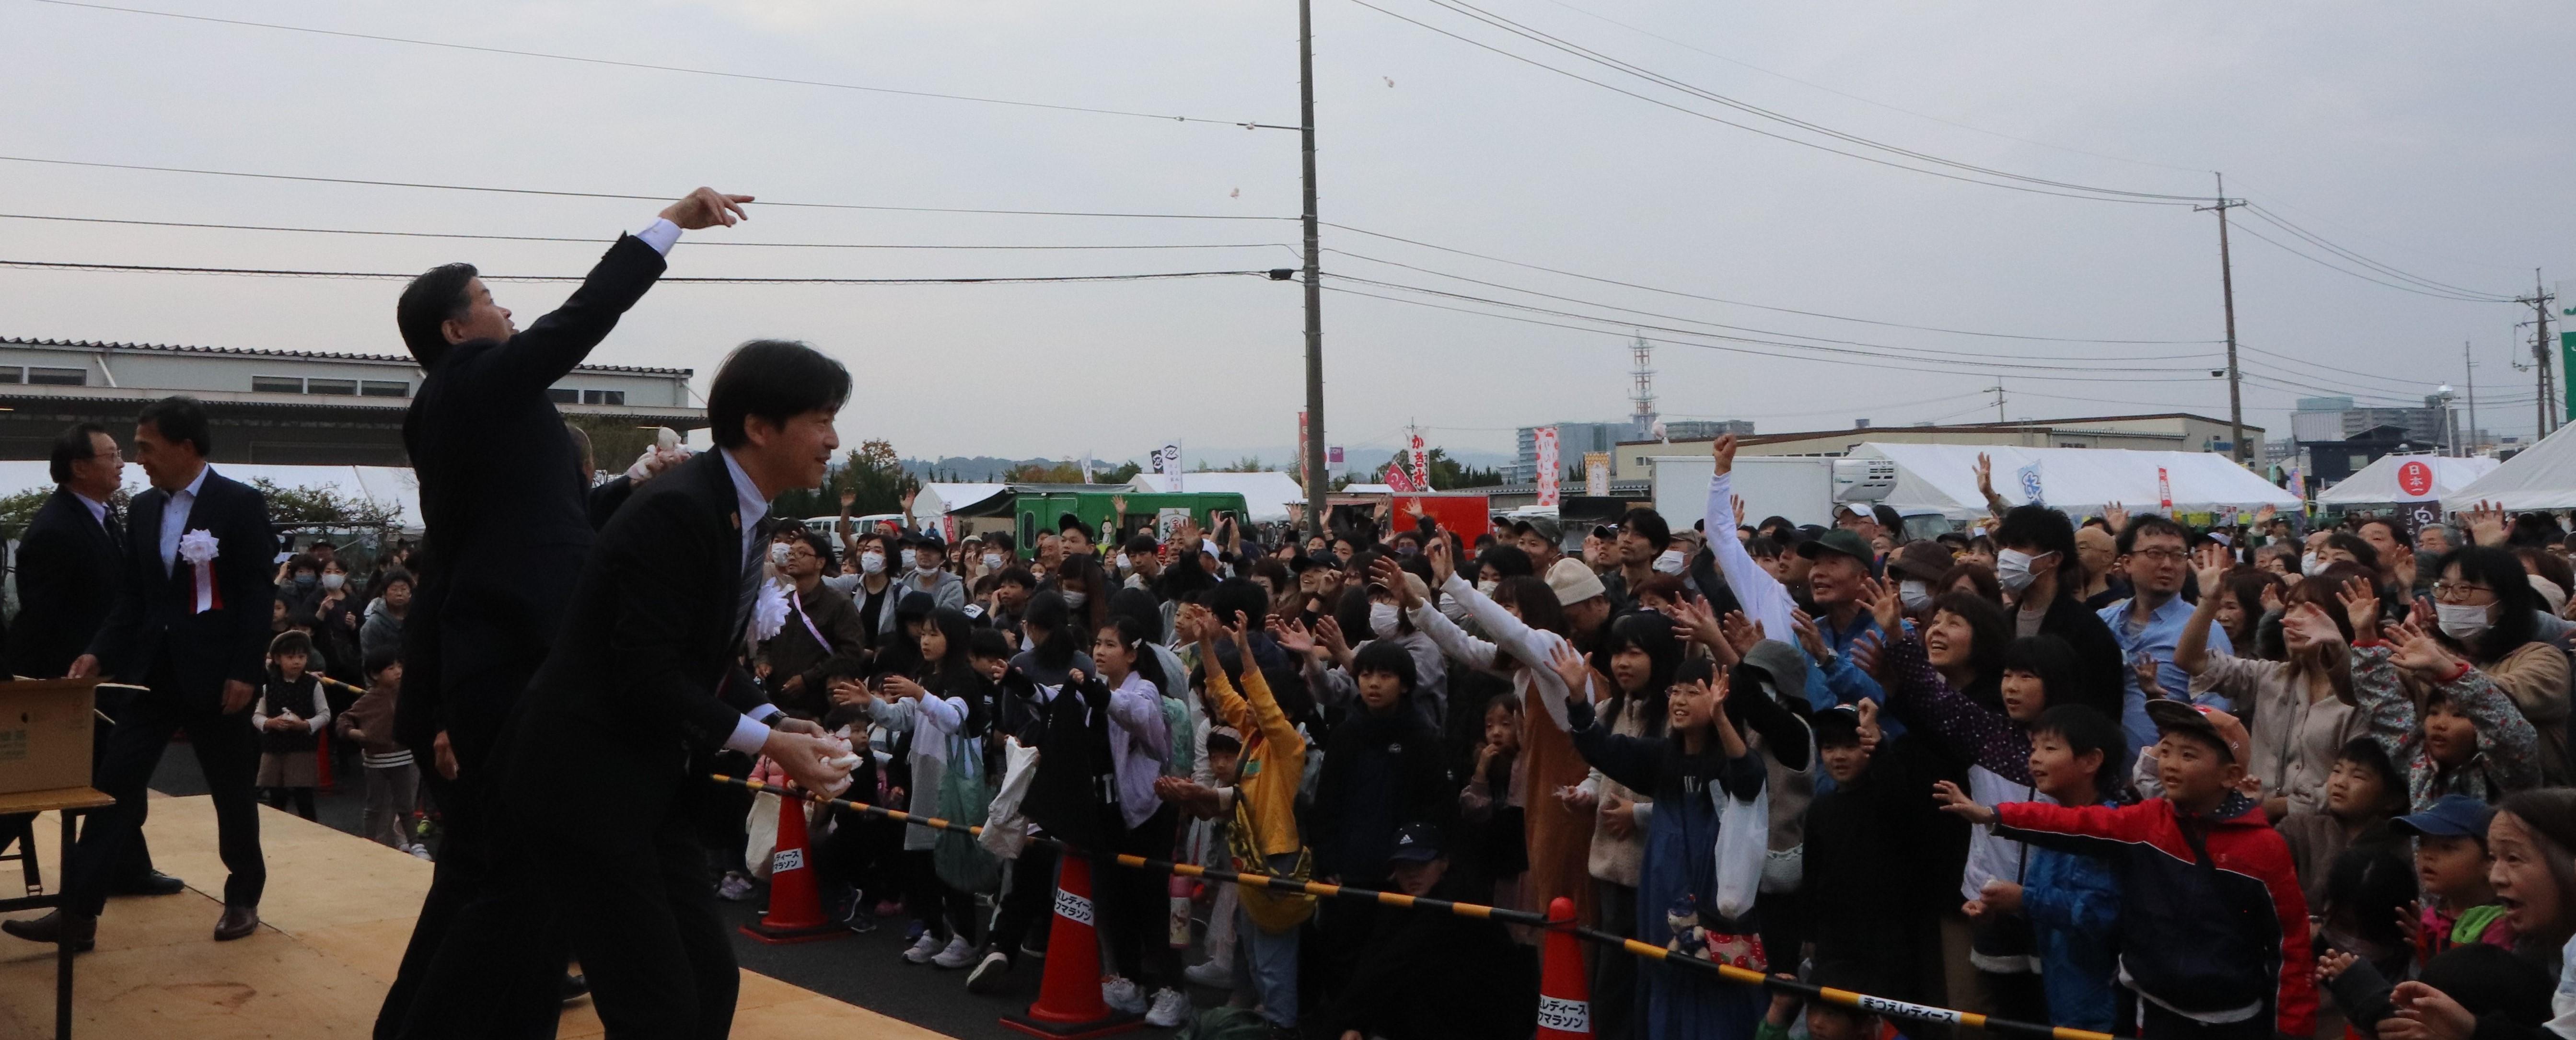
column 2405, row 478
column 943, row 499
column 1266, row 495
column 1942, row 478
column 394, row 487
column 2542, row 477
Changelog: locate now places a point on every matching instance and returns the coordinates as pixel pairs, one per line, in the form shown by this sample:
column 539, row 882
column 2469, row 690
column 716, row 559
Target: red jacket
column 2211, row 916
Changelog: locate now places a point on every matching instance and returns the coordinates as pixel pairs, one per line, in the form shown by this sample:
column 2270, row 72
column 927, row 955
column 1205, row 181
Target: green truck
column 1030, row 509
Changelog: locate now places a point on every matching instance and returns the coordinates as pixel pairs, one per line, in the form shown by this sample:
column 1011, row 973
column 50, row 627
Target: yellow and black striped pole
column 1728, row 972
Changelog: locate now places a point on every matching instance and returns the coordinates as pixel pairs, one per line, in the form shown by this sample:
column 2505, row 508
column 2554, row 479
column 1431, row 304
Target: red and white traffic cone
column 795, row 911
column 1069, row 1003
column 1564, row 998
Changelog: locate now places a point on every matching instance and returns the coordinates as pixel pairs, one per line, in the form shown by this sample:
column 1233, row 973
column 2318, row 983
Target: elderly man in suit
column 70, row 563
column 191, row 624
column 644, row 687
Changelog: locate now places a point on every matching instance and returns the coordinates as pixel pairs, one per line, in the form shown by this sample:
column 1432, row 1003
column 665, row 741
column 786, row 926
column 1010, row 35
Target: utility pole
column 2540, row 301
column 1998, row 391
column 1318, row 483
column 2470, row 365
column 2227, row 290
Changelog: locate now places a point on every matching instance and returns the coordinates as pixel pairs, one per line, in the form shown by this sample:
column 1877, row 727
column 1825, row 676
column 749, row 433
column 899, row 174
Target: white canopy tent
column 2542, row 477
column 943, row 499
column 394, row 487
column 1266, row 495
column 1942, row 478
column 2406, row 478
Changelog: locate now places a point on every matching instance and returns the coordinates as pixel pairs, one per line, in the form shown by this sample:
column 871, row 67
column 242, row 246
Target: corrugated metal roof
column 84, row 344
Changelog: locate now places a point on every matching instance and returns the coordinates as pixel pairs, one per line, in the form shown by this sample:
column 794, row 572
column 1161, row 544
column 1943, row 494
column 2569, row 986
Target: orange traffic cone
column 795, row 911
column 1069, row 1004
column 1564, row 999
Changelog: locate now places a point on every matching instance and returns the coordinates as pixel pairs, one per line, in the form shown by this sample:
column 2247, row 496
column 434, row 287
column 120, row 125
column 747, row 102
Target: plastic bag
column 965, row 798
column 1743, row 847
column 1006, row 831
column 762, row 825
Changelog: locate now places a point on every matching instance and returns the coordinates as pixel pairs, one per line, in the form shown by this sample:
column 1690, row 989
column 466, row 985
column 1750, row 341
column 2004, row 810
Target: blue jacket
column 2073, row 903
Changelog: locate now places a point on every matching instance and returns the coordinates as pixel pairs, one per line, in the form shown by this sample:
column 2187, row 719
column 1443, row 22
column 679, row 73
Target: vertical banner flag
column 1421, row 465
column 1167, row 467
column 1548, row 466
column 1596, row 474
column 1395, row 478
column 2030, row 485
column 1303, row 477
column 2164, row 490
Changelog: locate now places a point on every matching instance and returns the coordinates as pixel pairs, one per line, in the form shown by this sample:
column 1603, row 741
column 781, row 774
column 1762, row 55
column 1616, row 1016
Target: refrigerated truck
column 1804, row 488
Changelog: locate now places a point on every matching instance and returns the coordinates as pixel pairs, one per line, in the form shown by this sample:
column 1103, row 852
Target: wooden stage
column 337, row 912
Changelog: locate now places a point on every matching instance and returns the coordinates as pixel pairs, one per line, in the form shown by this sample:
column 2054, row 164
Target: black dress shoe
column 238, row 921
column 152, row 883
column 80, row 930
column 575, row 987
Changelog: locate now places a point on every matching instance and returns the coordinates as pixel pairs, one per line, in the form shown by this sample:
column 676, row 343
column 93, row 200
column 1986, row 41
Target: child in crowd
column 290, row 713
column 2451, row 865
column 944, row 703
column 393, row 791
column 2447, row 724
column 2363, row 793
column 2071, row 900
column 1827, row 1020
column 1381, row 771
column 2367, row 911
column 2212, row 953
column 1496, row 820
column 1419, row 976
column 1131, row 903
column 1860, row 924
column 1265, row 837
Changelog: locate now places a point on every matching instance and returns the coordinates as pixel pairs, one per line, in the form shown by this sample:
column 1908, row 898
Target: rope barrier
column 1728, row 972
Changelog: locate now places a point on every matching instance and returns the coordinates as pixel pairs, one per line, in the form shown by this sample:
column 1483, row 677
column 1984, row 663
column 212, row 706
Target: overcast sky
column 2425, row 138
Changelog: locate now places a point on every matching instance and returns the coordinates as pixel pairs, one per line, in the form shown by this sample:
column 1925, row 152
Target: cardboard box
column 45, row 734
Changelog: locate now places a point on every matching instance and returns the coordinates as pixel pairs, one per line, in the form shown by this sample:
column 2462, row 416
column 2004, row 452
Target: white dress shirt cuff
column 749, row 735
column 661, row 234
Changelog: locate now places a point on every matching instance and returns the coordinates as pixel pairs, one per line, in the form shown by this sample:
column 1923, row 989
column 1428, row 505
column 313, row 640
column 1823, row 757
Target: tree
column 323, row 508
column 1246, row 464
column 19, row 510
column 1448, row 474
column 872, row 471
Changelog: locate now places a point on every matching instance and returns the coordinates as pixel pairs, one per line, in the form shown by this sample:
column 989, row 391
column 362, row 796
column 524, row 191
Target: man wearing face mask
column 2035, row 563
column 930, row 574
column 823, row 631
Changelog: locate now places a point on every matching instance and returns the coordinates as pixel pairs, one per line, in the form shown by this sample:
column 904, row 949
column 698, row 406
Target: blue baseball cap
column 2454, row 816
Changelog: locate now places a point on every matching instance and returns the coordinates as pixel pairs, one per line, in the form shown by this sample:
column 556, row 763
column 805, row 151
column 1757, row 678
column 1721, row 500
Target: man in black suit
column 644, row 687
column 70, row 563
column 502, row 496
column 190, row 623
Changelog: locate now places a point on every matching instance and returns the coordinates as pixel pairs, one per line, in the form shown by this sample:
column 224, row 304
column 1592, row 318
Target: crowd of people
column 2116, row 773
column 2122, row 775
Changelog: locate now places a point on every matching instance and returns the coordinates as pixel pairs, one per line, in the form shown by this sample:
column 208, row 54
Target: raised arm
column 1762, row 597
column 548, row 349
column 2191, row 652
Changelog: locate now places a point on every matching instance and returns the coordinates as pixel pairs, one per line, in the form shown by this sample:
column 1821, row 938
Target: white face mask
column 2012, row 569
column 1670, row 562
column 1487, row 587
column 1382, row 620
column 1916, row 594
column 2463, row 620
column 1076, row 599
column 872, row 563
column 992, row 561
column 334, row 581
column 2309, row 564
column 924, row 559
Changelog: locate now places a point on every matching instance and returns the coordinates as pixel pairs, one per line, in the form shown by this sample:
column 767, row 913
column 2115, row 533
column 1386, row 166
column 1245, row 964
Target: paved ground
column 866, row 970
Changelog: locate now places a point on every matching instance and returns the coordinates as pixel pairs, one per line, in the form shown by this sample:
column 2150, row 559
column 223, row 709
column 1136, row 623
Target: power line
column 665, row 68
column 594, row 240
column 52, row 265
column 1725, row 348
column 1764, row 307
column 1982, row 363
column 2284, row 224
column 2080, row 191
column 2276, row 244
column 1757, row 331
column 617, row 195
column 1740, row 63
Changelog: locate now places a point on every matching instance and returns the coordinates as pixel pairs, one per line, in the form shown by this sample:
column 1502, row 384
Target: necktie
column 115, row 534
column 748, row 591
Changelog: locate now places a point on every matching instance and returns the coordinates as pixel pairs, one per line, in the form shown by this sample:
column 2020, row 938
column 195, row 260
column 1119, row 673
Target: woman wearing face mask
column 1917, row 570
column 1085, row 586
column 2305, row 703
column 2485, row 610
column 336, row 616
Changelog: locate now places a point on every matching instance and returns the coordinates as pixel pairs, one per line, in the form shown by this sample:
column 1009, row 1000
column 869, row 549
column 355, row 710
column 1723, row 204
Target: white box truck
column 1803, row 488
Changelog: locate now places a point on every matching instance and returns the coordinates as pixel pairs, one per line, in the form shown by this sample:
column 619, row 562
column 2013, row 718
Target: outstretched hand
column 1957, row 803
column 2360, row 607
column 1570, row 666
column 704, row 208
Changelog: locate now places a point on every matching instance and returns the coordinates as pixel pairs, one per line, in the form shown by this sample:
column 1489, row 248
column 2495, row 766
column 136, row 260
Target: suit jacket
column 68, row 574
column 506, row 506
column 649, row 660
column 155, row 620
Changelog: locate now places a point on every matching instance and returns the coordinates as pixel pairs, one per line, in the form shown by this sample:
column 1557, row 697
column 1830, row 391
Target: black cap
column 1416, row 843
column 1837, row 540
